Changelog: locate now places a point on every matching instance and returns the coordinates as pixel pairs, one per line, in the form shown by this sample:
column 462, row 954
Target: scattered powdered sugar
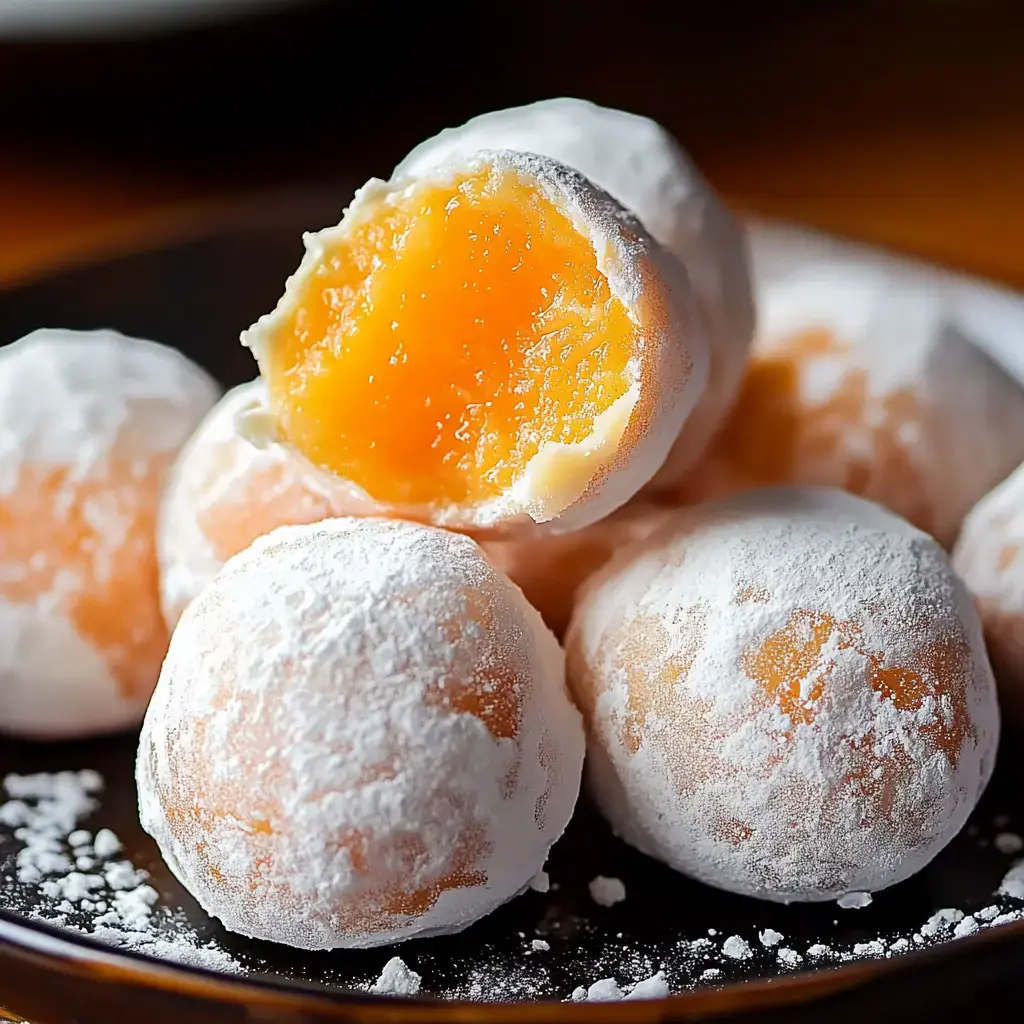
column 397, row 979
column 789, row 957
column 115, row 902
column 606, row 892
column 654, row 987
column 737, row 948
column 854, row 900
column 876, row 947
column 607, row 990
column 941, row 921
column 967, row 926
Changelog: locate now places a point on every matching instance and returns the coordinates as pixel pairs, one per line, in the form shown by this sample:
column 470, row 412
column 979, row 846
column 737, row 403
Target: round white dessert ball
column 639, row 163
column 361, row 734
column 787, row 695
column 89, row 424
column 989, row 555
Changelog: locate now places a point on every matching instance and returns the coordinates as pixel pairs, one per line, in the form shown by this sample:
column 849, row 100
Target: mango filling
column 435, row 349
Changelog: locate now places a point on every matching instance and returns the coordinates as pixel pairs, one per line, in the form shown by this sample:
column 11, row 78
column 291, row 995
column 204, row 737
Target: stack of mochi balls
column 520, row 480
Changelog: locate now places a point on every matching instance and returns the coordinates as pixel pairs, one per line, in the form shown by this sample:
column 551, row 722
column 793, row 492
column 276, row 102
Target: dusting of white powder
column 397, row 980
column 117, row 901
column 608, row 990
column 79, row 407
column 606, row 892
column 854, row 900
column 737, row 948
column 388, row 619
column 702, row 785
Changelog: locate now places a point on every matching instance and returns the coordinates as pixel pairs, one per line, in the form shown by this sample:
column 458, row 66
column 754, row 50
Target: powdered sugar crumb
column 789, row 957
column 873, row 948
column 654, row 987
column 604, row 991
column 737, row 948
column 940, row 921
column 606, row 892
column 770, row 937
column 540, row 946
column 397, row 979
column 541, row 882
column 854, row 900
column 106, row 844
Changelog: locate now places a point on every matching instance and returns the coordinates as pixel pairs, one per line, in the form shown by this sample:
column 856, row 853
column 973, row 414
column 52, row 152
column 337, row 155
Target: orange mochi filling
column 441, row 341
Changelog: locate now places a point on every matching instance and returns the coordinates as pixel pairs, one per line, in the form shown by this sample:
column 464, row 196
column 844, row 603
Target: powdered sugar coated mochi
column 361, row 734
column 640, row 164
column 222, row 493
column 89, row 423
column 874, row 374
column 988, row 555
column 787, row 695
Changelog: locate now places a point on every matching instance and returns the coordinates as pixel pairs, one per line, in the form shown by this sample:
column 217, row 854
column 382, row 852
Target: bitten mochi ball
column 989, row 555
column 638, row 162
column 361, row 734
column 492, row 345
column 869, row 376
column 89, row 424
column 787, row 695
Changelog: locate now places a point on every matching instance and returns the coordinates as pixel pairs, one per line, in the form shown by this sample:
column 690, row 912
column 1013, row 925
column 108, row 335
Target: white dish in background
column 68, row 19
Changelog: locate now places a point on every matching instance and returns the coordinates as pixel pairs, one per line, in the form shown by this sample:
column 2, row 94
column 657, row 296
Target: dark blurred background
column 897, row 122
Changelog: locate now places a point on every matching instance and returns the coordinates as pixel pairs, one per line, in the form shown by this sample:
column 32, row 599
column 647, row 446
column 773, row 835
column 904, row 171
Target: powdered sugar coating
column 787, row 695
column 564, row 486
column 361, row 734
column 872, row 374
column 641, row 165
column 989, row 555
column 222, row 493
column 89, row 422
column 550, row 570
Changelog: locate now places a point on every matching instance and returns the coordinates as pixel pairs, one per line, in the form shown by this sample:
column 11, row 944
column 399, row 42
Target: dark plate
column 197, row 295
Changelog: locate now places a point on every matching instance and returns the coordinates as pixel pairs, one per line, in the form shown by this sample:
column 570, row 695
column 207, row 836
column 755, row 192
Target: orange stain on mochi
column 87, row 546
column 792, row 667
column 262, row 502
column 197, row 803
column 776, row 435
